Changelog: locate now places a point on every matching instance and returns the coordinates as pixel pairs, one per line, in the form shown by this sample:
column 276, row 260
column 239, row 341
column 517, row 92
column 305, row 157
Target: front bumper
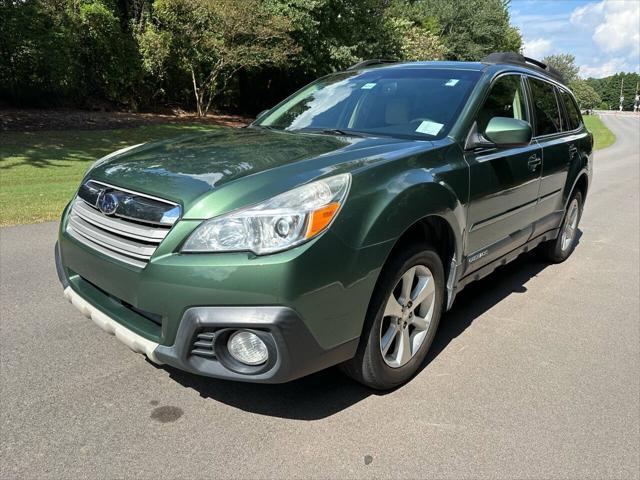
column 310, row 301
column 294, row 353
column 294, row 349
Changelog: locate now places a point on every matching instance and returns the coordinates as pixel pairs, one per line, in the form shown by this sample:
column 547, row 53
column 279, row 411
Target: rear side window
column 574, row 118
column 506, row 99
column 545, row 107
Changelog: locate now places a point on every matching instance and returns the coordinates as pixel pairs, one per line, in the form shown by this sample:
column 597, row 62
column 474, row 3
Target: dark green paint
column 329, row 281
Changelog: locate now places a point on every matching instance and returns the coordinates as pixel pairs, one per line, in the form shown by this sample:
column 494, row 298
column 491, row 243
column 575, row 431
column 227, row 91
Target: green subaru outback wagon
column 335, row 229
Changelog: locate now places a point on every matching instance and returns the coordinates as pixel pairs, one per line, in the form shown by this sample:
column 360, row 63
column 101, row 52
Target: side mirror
column 501, row 132
column 508, row 132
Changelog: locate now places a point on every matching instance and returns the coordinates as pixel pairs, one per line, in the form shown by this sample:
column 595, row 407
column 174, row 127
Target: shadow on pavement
column 328, row 392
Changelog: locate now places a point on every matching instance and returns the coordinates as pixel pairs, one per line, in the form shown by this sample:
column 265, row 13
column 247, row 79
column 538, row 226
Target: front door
column 504, row 182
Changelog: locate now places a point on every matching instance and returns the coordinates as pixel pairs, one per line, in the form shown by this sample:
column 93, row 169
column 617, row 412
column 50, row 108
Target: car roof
column 432, row 65
column 490, row 67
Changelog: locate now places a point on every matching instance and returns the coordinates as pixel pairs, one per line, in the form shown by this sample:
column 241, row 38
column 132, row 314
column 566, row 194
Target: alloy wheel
column 407, row 316
column 570, row 226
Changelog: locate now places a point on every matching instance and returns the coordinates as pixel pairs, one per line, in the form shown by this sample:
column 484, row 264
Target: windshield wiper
column 337, row 131
column 332, row 131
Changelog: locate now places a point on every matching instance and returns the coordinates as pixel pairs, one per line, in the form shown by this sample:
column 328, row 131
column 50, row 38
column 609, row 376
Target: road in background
column 534, row 373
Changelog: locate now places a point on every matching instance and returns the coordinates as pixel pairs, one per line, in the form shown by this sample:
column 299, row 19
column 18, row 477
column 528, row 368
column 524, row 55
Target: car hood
column 187, row 168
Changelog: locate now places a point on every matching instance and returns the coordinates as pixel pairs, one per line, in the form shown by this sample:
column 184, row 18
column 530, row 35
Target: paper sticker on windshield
column 367, row 86
column 430, row 128
column 452, row 83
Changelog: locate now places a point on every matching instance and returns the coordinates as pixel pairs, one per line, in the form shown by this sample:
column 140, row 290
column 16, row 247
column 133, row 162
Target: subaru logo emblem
column 107, row 203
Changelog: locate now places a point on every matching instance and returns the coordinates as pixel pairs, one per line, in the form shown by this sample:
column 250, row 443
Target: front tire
column 401, row 321
column 558, row 250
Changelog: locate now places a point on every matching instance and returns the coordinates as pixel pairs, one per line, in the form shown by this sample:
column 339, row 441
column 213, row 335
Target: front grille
column 203, row 345
column 129, row 240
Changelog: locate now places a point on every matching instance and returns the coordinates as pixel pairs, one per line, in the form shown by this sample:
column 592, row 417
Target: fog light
column 246, row 347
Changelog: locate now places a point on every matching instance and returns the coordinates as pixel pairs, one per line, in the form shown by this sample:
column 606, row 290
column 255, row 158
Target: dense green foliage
column 599, row 93
column 59, row 51
column 212, row 53
column 586, row 96
column 608, row 89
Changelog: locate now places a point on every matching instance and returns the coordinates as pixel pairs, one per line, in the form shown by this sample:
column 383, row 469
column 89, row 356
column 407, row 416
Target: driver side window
column 506, row 99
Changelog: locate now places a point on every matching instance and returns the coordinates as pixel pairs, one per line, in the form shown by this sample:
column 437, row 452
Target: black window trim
column 560, row 107
column 559, row 104
column 561, row 90
column 525, row 93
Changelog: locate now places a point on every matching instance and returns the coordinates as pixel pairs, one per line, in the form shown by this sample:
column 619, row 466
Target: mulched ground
column 14, row 120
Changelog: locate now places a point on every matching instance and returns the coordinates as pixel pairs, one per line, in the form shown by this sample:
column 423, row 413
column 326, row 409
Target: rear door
column 504, row 182
column 552, row 132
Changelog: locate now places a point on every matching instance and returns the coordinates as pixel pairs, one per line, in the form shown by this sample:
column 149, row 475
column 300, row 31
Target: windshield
column 416, row 103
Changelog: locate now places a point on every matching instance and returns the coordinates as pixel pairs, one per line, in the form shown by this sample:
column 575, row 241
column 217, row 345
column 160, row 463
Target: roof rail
column 369, row 63
column 517, row 59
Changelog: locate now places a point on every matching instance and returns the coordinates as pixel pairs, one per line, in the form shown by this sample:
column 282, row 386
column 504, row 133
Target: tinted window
column 421, row 103
column 573, row 114
column 545, row 107
column 506, row 99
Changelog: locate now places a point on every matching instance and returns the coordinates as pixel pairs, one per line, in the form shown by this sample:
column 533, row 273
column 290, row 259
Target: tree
column 331, row 35
column 469, row 29
column 334, row 34
column 56, row 50
column 211, row 40
column 586, row 96
column 108, row 63
column 609, row 89
column 141, row 53
column 416, row 42
column 565, row 64
column 415, row 32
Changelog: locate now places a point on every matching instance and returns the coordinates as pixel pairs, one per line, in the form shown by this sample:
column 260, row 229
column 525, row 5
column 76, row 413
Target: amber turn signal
column 322, row 217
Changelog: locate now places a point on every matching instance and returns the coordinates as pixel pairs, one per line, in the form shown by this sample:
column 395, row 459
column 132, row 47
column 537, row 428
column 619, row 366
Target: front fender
column 385, row 212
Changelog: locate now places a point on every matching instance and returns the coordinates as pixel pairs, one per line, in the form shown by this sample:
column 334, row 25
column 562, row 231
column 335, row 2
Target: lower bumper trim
column 296, row 351
column 132, row 340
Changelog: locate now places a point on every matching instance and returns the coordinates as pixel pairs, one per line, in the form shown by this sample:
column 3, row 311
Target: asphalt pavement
column 535, row 373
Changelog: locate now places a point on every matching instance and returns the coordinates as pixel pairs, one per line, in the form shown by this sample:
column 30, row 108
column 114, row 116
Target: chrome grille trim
column 130, row 205
column 120, row 227
column 108, row 185
column 131, row 248
column 105, row 251
column 126, row 241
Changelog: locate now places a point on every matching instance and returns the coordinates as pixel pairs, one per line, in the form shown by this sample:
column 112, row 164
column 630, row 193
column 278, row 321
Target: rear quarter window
column 574, row 119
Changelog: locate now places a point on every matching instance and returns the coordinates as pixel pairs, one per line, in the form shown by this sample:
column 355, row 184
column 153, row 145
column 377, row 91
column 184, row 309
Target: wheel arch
column 581, row 183
column 437, row 231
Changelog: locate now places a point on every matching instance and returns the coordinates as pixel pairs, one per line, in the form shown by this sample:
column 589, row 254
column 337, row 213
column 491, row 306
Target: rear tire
column 402, row 320
column 558, row 250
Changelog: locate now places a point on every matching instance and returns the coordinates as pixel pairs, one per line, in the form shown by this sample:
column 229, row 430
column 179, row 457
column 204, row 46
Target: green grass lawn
column 40, row 171
column 603, row 137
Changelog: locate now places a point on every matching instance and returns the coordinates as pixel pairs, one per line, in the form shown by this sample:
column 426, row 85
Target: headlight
column 282, row 222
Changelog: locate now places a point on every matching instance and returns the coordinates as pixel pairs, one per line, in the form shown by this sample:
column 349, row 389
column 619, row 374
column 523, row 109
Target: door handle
column 572, row 151
column 533, row 162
